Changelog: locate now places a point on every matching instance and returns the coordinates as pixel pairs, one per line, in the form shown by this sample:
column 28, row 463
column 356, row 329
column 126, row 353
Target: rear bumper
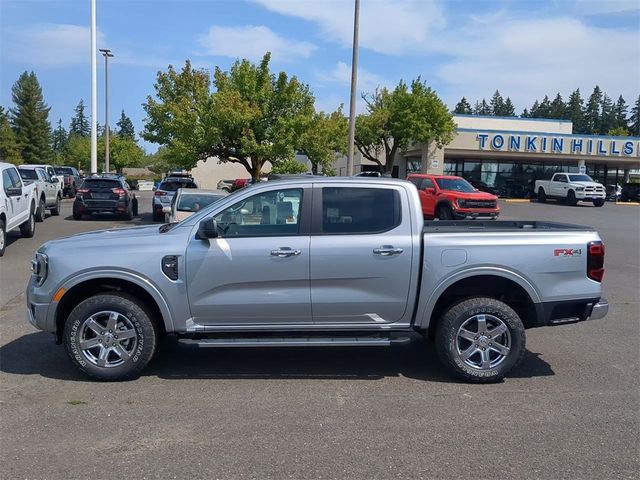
column 599, row 310
column 570, row 311
column 90, row 206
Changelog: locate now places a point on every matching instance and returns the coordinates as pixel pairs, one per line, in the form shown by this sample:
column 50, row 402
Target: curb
column 628, row 203
column 517, row 200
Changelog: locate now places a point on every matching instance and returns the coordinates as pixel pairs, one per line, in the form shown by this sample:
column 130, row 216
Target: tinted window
column 100, row 183
column 359, row 210
column 580, row 178
column 6, row 180
column 173, row 185
column 13, row 174
column 64, row 170
column 194, row 203
column 426, row 183
column 561, row 178
column 28, row 174
column 416, row 181
column 454, row 185
column 265, row 214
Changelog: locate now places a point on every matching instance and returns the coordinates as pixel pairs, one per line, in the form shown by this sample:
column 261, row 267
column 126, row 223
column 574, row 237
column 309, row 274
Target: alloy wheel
column 483, row 342
column 108, row 339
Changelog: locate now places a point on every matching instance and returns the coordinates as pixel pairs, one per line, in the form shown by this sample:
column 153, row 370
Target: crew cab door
column 50, row 188
column 257, row 271
column 361, row 254
column 558, row 185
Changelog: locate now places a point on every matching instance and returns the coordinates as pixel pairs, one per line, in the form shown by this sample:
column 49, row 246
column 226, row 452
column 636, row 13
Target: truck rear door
column 361, row 254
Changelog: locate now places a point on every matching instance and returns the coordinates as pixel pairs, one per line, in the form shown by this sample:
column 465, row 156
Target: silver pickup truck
column 315, row 262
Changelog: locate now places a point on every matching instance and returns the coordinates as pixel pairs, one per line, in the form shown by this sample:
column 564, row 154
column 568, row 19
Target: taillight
column 119, row 191
column 82, row 190
column 595, row 261
column 160, row 193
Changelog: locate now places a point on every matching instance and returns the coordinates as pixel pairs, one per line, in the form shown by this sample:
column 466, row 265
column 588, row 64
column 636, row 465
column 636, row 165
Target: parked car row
column 105, row 193
column 18, row 204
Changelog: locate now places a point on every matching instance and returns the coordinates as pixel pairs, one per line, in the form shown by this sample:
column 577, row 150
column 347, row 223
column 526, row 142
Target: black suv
column 105, row 193
column 630, row 192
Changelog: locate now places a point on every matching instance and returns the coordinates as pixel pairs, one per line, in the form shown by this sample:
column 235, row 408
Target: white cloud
column 594, row 7
column 252, row 42
column 341, row 75
column 527, row 59
column 51, row 45
column 386, row 26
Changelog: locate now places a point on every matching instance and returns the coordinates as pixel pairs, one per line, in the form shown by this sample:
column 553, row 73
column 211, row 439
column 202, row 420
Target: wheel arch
column 503, row 285
column 83, row 287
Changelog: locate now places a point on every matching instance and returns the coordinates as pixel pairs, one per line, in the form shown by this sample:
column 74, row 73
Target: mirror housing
column 13, row 191
column 208, row 228
column 431, row 191
column 166, row 209
column 54, row 180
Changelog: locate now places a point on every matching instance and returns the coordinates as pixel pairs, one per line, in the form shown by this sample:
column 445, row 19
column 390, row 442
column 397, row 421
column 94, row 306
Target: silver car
column 186, row 202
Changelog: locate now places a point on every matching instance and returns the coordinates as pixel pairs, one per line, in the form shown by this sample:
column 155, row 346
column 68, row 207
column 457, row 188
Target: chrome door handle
column 387, row 250
column 284, row 252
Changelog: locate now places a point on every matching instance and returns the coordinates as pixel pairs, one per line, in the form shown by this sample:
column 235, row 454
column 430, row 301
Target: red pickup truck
column 453, row 198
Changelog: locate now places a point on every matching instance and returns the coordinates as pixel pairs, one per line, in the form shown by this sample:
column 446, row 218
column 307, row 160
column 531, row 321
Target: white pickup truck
column 48, row 191
column 17, row 205
column 572, row 188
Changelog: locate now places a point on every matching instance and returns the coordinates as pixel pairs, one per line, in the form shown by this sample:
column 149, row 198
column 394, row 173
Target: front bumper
column 461, row 214
column 40, row 309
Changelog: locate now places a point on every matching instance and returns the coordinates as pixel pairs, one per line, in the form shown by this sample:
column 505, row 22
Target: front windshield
column 580, row 178
column 195, row 203
column 28, row 174
column 455, row 185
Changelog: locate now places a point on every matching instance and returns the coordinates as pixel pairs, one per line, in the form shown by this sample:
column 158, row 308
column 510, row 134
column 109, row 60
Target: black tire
column 28, row 228
column 156, row 217
column 599, row 202
column 3, row 237
column 128, row 214
column 444, row 212
column 542, row 197
column 134, row 208
column 55, row 211
column 571, row 198
column 72, row 191
column 131, row 316
column 77, row 215
column 449, row 343
column 40, row 212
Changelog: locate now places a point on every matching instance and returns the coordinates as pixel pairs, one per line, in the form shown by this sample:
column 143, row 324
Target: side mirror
column 430, row 191
column 13, row 191
column 154, row 188
column 166, row 209
column 54, row 179
column 208, row 228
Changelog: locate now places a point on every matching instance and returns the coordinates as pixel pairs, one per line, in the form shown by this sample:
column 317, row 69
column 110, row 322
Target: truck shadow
column 35, row 354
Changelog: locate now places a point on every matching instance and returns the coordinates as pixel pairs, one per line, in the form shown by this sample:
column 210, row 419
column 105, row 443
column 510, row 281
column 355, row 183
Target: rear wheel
column 28, row 228
column 72, row 191
column 571, row 198
column 542, row 197
column 599, row 202
column 55, row 211
column 110, row 336
column 444, row 213
column 40, row 212
column 128, row 214
column 480, row 339
column 3, row 236
column 134, row 208
column 77, row 214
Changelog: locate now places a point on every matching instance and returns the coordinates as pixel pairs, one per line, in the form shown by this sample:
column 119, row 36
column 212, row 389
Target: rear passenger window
column 359, row 210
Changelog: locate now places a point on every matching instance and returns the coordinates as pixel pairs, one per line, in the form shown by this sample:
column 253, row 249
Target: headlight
column 579, row 189
column 39, row 267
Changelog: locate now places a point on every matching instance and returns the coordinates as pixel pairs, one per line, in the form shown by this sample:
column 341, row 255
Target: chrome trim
column 599, row 310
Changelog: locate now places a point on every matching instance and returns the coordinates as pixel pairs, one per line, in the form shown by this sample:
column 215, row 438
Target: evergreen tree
column 534, row 110
column 575, row 113
column 591, row 113
column 59, row 138
column 509, row 109
column 525, row 114
column 497, row 104
column 80, row 123
column 125, row 127
column 558, row 108
column 620, row 112
column 607, row 115
column 463, row 107
column 482, row 108
column 544, row 109
column 9, row 151
column 30, row 119
column 634, row 120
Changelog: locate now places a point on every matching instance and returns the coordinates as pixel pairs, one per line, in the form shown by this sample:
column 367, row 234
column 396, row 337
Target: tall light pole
column 94, row 92
column 354, row 82
column 106, row 53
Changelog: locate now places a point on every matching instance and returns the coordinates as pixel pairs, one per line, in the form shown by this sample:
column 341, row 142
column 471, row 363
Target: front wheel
column 55, row 211
column 444, row 213
column 28, row 228
column 3, row 236
column 542, row 197
column 110, row 336
column 599, row 202
column 480, row 339
column 571, row 198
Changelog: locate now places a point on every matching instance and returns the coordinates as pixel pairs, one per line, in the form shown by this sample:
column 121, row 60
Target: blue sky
column 526, row 49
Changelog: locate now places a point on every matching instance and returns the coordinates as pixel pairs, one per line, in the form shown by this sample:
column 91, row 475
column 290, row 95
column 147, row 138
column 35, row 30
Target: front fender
column 426, row 309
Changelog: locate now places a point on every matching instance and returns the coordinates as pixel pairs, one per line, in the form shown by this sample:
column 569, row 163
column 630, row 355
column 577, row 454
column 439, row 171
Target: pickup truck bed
column 498, row 226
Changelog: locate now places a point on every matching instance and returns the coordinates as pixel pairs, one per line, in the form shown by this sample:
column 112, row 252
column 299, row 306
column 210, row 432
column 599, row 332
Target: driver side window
column 273, row 213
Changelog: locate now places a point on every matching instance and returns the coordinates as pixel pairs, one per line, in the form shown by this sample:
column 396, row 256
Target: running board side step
column 296, row 342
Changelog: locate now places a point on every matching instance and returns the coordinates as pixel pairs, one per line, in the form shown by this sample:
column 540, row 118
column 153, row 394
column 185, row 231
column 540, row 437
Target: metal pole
column 94, row 92
column 106, row 112
column 354, row 82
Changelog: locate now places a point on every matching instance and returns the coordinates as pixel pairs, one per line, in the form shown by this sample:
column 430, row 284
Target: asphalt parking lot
column 570, row 410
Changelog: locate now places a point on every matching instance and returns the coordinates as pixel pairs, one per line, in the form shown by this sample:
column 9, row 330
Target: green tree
column 159, row 162
column 9, row 149
column 77, row 152
column 525, row 114
column 534, row 109
column 463, row 107
column 544, row 109
column 397, row 118
column 575, row 111
column 634, row 120
column 124, row 152
column 497, row 104
column 80, row 123
column 618, row 132
column 59, row 138
column 252, row 118
column 591, row 113
column 125, row 127
column 30, row 119
column 558, row 109
column 482, row 108
column 322, row 137
column 607, row 115
column 620, row 113
column 289, row 166
column 509, row 109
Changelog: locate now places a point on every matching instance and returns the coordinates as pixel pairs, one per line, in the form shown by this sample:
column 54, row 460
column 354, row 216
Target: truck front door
column 361, row 254
column 17, row 205
column 257, row 271
column 558, row 186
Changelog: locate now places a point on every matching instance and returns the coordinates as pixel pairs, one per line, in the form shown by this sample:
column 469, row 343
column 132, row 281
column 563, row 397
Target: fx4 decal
column 567, row 252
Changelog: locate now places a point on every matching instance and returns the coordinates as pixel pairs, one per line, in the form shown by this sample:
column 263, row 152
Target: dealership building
column 507, row 153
